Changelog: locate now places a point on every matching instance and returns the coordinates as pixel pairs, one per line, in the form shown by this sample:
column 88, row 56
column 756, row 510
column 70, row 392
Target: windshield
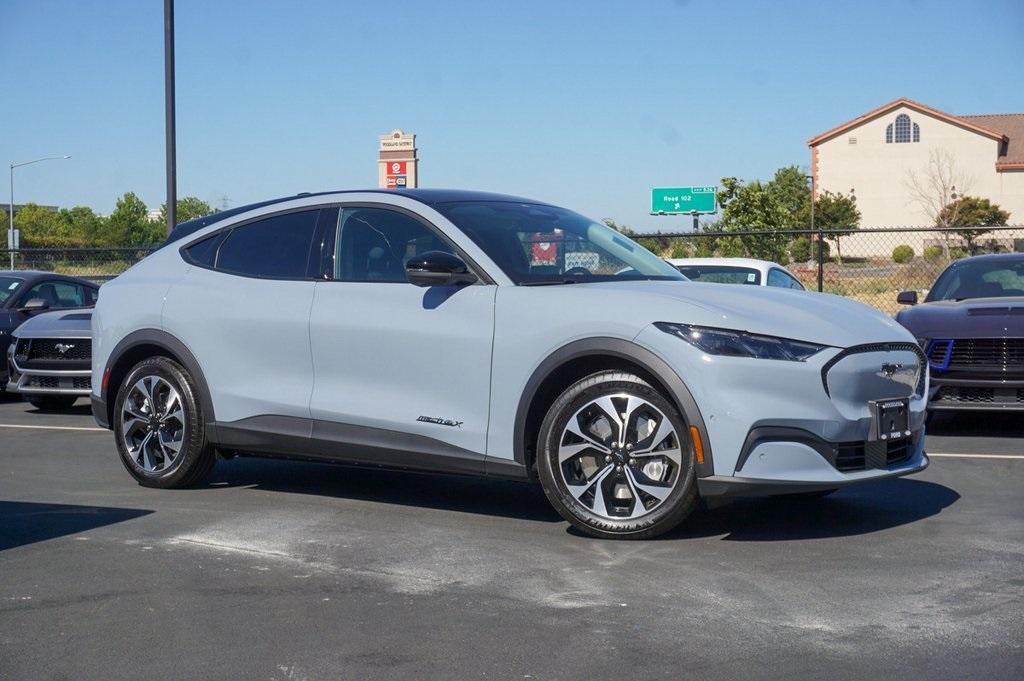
column 535, row 244
column 721, row 274
column 8, row 285
column 982, row 278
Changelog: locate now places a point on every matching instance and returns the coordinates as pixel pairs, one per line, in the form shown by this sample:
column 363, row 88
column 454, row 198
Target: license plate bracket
column 890, row 419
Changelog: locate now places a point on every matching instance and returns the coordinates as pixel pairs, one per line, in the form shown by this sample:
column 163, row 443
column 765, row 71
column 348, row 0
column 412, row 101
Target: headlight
column 740, row 343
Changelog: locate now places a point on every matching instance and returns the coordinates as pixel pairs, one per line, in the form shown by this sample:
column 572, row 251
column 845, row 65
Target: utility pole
column 172, row 181
column 11, row 241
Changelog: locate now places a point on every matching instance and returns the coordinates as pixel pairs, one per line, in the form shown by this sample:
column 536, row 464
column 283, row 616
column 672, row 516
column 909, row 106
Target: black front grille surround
column 879, row 347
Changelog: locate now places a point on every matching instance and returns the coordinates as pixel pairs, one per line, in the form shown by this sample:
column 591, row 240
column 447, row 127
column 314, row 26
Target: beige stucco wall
column 878, row 172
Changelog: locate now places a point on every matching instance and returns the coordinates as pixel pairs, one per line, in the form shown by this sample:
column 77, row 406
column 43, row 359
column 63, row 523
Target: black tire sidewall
column 675, row 507
column 181, row 472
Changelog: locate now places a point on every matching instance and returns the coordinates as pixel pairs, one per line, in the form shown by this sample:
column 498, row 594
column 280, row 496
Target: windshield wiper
column 549, row 282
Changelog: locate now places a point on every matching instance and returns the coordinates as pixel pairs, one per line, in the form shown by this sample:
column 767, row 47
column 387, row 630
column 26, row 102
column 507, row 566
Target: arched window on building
column 902, row 131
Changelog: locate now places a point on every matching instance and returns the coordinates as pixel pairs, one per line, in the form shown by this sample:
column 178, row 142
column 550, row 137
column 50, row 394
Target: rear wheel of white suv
column 160, row 427
column 614, row 459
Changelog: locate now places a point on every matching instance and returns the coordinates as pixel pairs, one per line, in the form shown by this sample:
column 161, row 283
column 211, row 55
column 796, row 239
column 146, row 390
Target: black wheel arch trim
column 680, row 394
column 174, row 347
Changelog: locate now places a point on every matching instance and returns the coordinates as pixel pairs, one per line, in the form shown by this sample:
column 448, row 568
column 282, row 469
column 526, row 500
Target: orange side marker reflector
column 698, row 448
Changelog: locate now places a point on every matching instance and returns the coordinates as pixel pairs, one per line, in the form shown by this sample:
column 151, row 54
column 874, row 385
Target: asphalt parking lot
column 288, row 570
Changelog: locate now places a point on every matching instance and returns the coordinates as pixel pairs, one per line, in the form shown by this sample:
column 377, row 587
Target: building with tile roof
column 886, row 157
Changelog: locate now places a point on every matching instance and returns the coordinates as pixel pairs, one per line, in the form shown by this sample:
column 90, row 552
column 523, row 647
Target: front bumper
column 775, row 426
column 47, row 382
column 798, row 462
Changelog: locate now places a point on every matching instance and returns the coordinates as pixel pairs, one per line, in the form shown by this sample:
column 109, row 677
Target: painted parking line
column 80, row 428
column 975, row 456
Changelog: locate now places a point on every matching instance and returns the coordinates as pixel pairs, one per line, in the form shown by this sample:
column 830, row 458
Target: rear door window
column 276, row 247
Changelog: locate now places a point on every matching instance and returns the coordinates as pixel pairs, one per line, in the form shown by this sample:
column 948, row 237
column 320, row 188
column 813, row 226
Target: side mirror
column 34, row 305
column 437, row 268
column 907, row 298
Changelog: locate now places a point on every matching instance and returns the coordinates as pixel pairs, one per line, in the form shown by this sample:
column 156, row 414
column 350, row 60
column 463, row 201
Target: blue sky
column 585, row 104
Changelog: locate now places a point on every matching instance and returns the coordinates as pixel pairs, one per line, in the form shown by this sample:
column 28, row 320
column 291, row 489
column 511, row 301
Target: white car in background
column 736, row 271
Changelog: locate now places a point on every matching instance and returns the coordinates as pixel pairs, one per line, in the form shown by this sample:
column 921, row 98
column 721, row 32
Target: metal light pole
column 10, row 230
column 172, row 185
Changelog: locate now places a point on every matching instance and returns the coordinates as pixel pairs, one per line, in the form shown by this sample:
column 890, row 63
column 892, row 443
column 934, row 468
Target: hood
column 814, row 317
column 971, row 318
column 57, row 324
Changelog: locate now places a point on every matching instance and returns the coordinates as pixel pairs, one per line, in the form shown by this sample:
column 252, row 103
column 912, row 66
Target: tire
column 51, row 402
column 572, row 485
column 153, row 462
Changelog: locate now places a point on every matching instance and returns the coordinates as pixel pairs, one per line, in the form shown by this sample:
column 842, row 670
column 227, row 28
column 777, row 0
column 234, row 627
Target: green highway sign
column 668, row 200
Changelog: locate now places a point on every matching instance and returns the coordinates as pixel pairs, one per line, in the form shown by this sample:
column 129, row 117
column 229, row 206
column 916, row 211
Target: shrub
column 803, row 249
column 681, row 250
column 902, row 254
column 932, row 253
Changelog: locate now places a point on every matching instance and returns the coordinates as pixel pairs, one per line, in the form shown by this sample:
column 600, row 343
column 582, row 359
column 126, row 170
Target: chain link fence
column 95, row 264
column 870, row 265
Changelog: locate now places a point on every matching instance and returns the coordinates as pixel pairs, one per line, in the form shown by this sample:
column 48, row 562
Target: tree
column 789, row 185
column 754, row 207
column 804, row 250
column 39, row 226
column 935, row 187
column 187, row 208
column 971, row 211
column 128, row 226
column 80, row 226
column 836, row 212
column 653, row 242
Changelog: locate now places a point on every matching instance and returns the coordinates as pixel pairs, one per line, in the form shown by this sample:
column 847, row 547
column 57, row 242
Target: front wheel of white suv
column 614, row 458
column 160, row 427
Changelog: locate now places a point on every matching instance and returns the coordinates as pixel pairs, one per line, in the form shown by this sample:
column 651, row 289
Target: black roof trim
column 430, row 197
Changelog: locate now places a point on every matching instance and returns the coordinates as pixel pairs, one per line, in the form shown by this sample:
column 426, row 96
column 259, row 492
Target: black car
column 971, row 327
column 23, row 294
